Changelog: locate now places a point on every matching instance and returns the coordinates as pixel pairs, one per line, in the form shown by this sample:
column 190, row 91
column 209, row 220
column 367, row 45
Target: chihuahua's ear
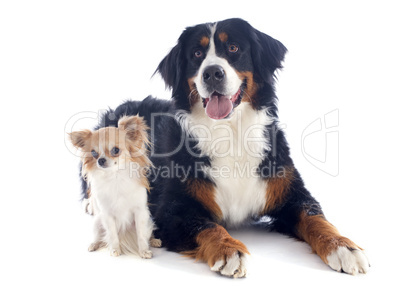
column 79, row 138
column 135, row 127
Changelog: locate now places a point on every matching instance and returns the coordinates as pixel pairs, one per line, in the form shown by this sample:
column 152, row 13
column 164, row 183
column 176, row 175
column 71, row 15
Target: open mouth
column 219, row 106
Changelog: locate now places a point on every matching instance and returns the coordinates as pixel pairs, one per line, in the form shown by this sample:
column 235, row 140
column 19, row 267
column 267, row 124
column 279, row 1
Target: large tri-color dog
column 220, row 159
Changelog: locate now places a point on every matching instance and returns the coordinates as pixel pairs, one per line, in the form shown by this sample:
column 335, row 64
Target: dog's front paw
column 232, row 266
column 146, row 254
column 349, row 260
column 155, row 242
column 115, row 252
column 95, row 246
column 223, row 253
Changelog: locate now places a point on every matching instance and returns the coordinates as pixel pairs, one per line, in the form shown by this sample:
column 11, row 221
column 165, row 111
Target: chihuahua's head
column 111, row 149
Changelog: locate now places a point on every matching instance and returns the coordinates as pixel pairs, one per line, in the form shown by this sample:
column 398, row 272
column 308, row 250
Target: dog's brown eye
column 115, row 151
column 198, row 54
column 233, row 48
column 94, row 154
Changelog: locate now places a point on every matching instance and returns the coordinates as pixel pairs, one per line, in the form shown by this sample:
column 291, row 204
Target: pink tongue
column 218, row 107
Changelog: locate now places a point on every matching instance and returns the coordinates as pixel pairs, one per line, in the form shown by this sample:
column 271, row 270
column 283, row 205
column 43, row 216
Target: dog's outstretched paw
column 96, row 245
column 233, row 266
column 146, row 254
column 348, row 260
column 155, row 242
column 115, row 252
column 223, row 253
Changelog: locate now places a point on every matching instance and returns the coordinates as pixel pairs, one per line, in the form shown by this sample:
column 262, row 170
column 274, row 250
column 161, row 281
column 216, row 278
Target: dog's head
column 223, row 65
column 112, row 149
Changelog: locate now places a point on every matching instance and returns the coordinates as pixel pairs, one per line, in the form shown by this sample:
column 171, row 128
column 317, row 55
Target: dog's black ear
column 171, row 67
column 267, row 54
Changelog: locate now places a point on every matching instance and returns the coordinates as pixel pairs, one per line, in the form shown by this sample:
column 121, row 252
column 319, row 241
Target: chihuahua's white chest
column 118, row 195
column 236, row 148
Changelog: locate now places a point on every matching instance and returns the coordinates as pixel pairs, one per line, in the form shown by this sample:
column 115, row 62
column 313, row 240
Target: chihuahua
column 115, row 164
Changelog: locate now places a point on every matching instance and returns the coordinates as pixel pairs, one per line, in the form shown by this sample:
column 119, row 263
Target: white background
column 60, row 58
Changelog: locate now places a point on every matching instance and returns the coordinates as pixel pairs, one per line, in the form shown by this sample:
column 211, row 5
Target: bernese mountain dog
column 220, row 159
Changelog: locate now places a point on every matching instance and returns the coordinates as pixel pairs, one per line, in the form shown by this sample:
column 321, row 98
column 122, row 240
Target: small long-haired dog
column 228, row 161
column 114, row 163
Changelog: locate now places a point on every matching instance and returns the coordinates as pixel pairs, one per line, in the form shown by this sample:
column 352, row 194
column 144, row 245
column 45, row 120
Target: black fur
column 179, row 216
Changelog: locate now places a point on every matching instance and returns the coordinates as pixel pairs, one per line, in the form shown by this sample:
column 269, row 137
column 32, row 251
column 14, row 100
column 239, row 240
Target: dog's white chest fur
column 119, row 195
column 236, row 148
column 122, row 212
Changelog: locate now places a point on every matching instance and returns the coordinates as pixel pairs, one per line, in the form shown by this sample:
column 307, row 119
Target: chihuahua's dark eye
column 115, row 151
column 233, row 48
column 94, row 154
column 198, row 54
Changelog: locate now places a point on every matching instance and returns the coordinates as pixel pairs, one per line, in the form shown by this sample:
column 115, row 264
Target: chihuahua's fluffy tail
column 128, row 241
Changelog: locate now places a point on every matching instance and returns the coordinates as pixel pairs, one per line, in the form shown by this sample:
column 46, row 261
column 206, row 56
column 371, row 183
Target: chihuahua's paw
column 115, row 252
column 155, row 242
column 96, row 245
column 146, row 254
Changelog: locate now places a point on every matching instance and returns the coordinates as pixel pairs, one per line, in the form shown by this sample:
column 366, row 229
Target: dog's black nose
column 213, row 75
column 101, row 162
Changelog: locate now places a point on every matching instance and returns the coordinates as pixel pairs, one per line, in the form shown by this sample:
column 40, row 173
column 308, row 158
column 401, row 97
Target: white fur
column 233, row 82
column 234, row 266
column 122, row 217
column 240, row 192
column 351, row 262
column 236, row 147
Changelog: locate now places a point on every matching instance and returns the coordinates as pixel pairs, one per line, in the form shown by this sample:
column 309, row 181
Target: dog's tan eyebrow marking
column 204, row 41
column 223, row 37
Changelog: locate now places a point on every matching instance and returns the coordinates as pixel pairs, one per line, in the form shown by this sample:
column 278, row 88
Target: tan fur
column 130, row 137
column 251, row 88
column 204, row 192
column 322, row 236
column 216, row 244
column 223, row 37
column 137, row 142
column 194, row 96
column 88, row 191
column 277, row 189
column 204, row 41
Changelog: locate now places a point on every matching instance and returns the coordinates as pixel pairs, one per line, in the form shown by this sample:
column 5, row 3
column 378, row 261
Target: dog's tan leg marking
column 223, row 253
column 339, row 252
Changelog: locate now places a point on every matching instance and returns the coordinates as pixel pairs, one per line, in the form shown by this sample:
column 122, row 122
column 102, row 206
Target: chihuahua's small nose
column 101, row 162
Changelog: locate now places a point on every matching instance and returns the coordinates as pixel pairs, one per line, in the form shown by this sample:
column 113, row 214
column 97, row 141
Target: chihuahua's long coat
column 114, row 163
